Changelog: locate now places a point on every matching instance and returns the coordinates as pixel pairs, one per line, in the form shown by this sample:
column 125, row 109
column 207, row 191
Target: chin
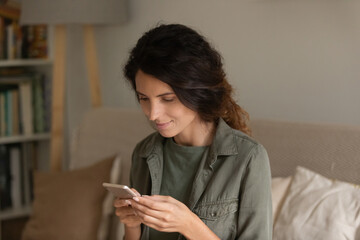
column 166, row 134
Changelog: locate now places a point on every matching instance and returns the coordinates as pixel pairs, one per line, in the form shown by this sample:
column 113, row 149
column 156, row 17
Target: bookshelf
column 24, row 141
column 25, row 138
column 25, row 62
column 41, row 141
column 15, row 213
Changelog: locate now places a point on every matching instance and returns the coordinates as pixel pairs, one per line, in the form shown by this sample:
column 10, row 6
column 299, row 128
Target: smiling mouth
column 162, row 126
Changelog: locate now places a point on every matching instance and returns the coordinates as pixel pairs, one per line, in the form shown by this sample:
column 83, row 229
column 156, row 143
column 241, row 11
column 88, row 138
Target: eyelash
column 168, row 99
column 164, row 99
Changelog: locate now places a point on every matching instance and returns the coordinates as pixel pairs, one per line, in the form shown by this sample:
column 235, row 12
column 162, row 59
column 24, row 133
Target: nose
column 154, row 111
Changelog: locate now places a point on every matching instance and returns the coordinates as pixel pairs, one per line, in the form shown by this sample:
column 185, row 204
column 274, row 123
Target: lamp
column 60, row 13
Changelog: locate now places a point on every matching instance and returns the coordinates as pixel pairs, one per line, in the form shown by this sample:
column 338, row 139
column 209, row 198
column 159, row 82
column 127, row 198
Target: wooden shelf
column 25, row 62
column 25, row 138
column 14, row 213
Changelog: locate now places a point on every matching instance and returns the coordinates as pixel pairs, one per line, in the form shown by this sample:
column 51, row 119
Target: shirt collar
column 224, row 140
column 223, row 143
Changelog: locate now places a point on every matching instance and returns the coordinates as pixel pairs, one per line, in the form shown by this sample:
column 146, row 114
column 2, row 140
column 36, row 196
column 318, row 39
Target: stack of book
column 24, row 102
column 17, row 162
column 20, row 42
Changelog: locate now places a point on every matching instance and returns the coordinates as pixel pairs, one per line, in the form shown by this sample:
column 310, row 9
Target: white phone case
column 120, row 191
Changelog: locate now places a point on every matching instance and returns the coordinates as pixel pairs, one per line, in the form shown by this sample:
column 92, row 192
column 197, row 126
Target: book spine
column 2, row 114
column 15, row 112
column 2, row 38
column 26, row 107
column 15, row 171
column 38, row 104
column 8, row 114
column 26, row 177
column 10, row 41
column 5, row 178
column 47, row 104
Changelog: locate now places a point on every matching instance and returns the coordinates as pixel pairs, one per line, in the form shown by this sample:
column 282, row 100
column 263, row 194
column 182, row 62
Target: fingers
column 127, row 214
column 158, row 212
column 123, row 212
column 123, row 208
column 156, row 223
column 159, row 198
column 155, row 202
column 137, row 193
column 118, row 202
column 156, row 207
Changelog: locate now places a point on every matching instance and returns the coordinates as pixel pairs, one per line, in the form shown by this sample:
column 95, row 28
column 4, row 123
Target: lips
column 162, row 126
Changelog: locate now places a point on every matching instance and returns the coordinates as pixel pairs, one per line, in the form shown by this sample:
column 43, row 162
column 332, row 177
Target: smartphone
column 120, row 191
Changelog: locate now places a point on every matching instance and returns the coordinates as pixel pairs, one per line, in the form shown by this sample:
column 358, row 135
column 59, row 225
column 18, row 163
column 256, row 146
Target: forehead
column 150, row 85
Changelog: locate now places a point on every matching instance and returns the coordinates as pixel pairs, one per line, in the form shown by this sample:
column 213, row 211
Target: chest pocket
column 215, row 210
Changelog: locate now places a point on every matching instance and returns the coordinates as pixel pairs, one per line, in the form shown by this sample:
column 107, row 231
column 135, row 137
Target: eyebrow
column 160, row 95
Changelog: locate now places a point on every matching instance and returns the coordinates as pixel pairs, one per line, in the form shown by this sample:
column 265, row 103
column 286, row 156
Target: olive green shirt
column 180, row 166
column 231, row 192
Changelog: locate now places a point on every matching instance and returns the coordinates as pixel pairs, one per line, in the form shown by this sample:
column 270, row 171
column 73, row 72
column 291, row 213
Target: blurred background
column 295, row 60
column 291, row 60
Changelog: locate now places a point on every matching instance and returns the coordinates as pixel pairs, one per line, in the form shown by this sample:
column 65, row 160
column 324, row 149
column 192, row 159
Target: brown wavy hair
column 182, row 58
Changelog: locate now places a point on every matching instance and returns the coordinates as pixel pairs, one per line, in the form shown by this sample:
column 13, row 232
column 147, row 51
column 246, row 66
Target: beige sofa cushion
column 68, row 205
column 329, row 149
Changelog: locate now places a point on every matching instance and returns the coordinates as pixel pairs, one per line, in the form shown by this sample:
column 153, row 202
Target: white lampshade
column 73, row 11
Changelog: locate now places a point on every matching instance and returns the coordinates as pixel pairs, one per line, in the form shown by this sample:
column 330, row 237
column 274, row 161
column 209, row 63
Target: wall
column 295, row 60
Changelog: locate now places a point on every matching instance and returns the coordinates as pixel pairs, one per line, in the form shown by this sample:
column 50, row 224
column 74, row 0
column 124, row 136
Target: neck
column 202, row 135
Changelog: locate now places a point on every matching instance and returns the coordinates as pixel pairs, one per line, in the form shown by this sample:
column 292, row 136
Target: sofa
column 315, row 170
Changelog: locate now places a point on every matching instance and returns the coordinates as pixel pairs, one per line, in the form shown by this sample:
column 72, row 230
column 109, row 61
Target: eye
column 168, row 99
column 143, row 98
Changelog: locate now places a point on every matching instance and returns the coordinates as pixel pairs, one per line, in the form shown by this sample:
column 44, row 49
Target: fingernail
column 128, row 202
column 136, row 199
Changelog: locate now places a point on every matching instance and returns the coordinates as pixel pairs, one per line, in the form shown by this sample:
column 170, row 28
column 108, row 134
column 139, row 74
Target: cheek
column 181, row 112
column 174, row 111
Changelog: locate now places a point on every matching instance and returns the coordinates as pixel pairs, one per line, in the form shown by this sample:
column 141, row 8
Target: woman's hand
column 163, row 213
column 126, row 213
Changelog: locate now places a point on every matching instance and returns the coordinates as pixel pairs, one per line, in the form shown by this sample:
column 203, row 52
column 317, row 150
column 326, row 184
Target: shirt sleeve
column 255, row 210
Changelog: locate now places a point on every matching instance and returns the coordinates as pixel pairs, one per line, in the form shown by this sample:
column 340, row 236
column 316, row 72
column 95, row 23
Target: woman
column 200, row 175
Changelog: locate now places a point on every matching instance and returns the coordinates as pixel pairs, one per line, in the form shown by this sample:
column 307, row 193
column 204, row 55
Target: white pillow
column 318, row 208
column 279, row 188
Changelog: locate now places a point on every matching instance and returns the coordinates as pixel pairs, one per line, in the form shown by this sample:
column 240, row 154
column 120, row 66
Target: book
column 8, row 114
column 17, row 163
column 28, row 159
column 17, row 41
column 33, row 166
column 10, row 9
column 38, row 104
column 7, row 108
column 26, row 108
column 15, row 171
column 10, row 38
column 5, row 178
column 2, row 38
column 2, row 114
column 23, row 105
column 15, row 112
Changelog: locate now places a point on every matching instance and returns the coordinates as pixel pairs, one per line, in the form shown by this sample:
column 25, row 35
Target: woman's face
column 160, row 104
